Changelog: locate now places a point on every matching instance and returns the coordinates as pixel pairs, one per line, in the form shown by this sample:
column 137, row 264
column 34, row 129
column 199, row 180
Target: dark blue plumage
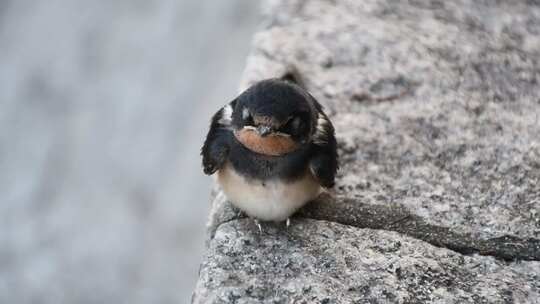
column 275, row 131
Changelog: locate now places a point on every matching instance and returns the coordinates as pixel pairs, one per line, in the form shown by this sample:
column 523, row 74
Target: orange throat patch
column 273, row 144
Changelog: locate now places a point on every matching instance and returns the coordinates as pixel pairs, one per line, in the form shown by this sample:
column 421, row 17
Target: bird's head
column 273, row 117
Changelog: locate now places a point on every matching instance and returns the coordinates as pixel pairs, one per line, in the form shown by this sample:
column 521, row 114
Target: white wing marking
column 226, row 116
column 320, row 133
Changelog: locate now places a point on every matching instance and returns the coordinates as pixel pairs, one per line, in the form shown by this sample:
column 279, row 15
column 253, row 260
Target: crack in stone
column 397, row 218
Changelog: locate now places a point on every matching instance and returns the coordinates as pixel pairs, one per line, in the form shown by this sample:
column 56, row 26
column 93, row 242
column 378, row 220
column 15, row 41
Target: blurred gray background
column 103, row 109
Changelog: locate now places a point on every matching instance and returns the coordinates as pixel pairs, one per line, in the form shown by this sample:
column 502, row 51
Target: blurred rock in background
column 103, row 108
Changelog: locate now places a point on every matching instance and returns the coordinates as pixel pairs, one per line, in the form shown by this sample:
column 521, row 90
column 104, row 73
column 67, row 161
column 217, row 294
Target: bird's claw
column 288, row 223
column 258, row 224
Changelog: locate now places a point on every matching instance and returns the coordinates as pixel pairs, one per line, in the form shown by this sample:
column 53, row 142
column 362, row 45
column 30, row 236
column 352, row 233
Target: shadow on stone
column 396, row 218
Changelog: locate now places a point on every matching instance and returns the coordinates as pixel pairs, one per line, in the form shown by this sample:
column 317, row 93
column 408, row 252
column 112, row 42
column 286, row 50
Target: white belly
column 271, row 200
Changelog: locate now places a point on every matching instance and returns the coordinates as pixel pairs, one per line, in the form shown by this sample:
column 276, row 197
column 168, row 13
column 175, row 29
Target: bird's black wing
column 216, row 146
column 324, row 162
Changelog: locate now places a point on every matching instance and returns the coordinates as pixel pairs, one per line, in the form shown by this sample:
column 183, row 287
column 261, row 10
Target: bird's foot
column 239, row 213
column 288, row 222
column 258, row 224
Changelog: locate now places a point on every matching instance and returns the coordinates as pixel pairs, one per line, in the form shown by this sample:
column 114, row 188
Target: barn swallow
column 273, row 148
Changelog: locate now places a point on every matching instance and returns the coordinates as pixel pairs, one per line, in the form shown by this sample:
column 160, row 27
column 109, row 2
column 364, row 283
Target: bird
column 273, row 150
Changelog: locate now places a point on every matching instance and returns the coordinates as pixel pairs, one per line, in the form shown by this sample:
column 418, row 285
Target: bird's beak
column 264, row 130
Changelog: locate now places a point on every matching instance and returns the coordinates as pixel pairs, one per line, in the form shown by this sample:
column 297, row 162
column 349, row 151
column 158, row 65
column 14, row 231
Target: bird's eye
column 291, row 126
column 246, row 116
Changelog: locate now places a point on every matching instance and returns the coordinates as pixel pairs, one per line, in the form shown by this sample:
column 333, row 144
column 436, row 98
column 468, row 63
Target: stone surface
column 436, row 106
column 397, row 218
column 324, row 262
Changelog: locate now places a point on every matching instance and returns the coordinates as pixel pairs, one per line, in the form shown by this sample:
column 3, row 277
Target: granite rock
column 436, row 107
column 324, row 262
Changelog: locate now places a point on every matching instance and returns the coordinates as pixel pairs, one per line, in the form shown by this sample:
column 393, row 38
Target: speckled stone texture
column 436, row 105
column 324, row 262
